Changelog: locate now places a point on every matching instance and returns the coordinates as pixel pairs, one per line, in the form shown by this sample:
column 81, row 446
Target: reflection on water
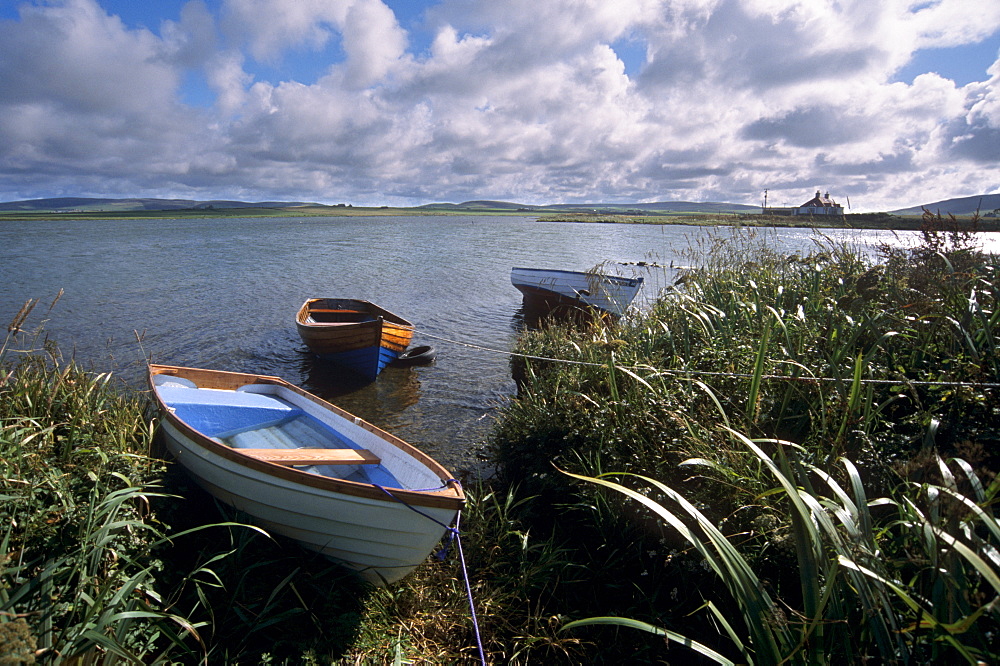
column 377, row 402
column 530, row 317
column 327, row 379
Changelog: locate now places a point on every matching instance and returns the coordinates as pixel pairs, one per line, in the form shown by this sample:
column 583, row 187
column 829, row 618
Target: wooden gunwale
column 356, row 306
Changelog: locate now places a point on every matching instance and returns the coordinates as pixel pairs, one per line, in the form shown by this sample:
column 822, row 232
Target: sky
column 884, row 105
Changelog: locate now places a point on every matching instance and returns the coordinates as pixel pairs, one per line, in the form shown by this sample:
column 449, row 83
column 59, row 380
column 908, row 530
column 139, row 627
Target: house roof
column 820, row 201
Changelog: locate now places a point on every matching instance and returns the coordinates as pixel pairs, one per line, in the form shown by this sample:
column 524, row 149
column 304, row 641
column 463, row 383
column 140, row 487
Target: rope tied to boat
column 454, row 534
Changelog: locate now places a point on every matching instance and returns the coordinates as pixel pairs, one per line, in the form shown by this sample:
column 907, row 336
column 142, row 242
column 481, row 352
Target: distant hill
column 608, row 208
column 476, row 205
column 985, row 203
column 93, row 205
column 85, row 204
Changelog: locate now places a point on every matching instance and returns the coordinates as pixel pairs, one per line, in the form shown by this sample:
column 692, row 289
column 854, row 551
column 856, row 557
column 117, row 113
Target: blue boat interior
column 246, row 420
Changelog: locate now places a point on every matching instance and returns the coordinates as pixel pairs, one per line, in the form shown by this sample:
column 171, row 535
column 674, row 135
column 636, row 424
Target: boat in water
column 357, row 335
column 306, row 469
column 552, row 290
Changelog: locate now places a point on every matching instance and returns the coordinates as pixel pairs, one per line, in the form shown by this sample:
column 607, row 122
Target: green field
column 688, row 218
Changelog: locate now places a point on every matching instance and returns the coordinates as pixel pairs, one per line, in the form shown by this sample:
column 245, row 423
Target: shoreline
column 882, row 221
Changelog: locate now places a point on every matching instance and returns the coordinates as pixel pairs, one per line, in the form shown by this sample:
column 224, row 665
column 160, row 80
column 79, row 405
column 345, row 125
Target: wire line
column 683, row 374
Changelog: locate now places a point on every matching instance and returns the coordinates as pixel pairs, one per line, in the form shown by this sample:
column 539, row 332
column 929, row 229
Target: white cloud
column 944, row 23
column 192, row 40
column 521, row 100
column 270, row 27
column 76, row 57
column 226, row 76
column 368, row 31
column 373, row 41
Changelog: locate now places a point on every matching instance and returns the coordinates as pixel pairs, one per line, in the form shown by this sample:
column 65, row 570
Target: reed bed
column 77, row 484
column 808, row 442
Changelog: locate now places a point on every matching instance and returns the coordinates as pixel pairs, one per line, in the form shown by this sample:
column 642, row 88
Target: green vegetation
column 789, row 459
column 852, row 221
column 872, row 534
column 76, row 525
column 107, row 555
column 213, row 213
column 968, row 211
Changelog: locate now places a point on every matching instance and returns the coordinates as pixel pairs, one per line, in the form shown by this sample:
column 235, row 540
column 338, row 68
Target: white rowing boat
column 305, row 469
column 550, row 289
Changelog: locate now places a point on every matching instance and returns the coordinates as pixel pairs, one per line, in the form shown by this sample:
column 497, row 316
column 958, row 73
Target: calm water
column 223, row 293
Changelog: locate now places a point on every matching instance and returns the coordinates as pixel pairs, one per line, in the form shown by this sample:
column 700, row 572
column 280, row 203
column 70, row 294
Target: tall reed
column 886, row 360
column 826, row 349
column 77, row 486
column 922, row 585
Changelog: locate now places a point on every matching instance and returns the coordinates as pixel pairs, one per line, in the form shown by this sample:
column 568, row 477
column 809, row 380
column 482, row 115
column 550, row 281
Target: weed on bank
column 795, row 447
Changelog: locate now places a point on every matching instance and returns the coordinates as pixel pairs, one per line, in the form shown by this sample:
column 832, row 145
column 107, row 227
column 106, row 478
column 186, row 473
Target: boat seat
column 340, row 310
column 329, row 316
column 174, row 395
column 305, row 456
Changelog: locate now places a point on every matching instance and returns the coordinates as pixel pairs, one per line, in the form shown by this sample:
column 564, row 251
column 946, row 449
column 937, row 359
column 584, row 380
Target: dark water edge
column 222, row 293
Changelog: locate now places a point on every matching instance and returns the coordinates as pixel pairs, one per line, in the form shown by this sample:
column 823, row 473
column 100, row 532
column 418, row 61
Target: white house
column 820, row 205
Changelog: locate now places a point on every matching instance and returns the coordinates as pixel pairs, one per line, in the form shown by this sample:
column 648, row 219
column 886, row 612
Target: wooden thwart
column 314, row 456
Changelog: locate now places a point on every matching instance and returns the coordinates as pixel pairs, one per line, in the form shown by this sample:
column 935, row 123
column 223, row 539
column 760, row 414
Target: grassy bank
column 109, row 555
column 788, row 459
column 77, row 485
column 799, row 459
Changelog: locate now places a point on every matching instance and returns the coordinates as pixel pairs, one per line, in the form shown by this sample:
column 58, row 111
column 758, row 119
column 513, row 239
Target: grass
column 880, row 593
column 692, row 218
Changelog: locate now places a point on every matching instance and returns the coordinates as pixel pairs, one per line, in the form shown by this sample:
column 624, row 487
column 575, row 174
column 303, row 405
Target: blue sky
column 962, row 64
column 403, row 102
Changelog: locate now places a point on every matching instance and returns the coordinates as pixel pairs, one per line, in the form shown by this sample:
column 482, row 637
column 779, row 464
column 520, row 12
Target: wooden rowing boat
column 357, row 335
column 548, row 289
column 307, row 470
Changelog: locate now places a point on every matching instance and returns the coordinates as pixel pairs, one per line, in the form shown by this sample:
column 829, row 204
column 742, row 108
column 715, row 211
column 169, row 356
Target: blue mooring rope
column 456, row 536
